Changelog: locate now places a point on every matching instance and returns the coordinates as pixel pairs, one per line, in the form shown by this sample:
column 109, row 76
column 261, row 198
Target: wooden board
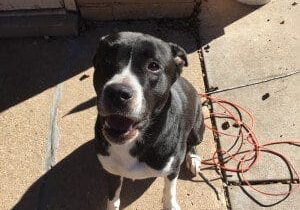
column 9, row 5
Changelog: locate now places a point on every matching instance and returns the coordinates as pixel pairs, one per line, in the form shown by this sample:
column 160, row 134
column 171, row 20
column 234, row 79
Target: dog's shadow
column 77, row 182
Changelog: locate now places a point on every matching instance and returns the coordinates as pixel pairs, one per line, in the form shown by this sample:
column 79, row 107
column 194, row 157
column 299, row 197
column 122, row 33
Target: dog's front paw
column 193, row 163
column 171, row 206
column 113, row 205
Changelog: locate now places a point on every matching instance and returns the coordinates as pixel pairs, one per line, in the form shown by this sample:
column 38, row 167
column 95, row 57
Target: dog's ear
column 102, row 41
column 179, row 55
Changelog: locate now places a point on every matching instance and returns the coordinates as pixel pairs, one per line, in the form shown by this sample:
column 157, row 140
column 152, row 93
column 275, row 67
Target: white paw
column 193, row 163
column 113, row 205
column 171, row 206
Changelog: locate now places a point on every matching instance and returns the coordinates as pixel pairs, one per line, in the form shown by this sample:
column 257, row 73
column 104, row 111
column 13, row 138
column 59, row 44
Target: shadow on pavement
column 77, row 182
column 29, row 66
column 216, row 15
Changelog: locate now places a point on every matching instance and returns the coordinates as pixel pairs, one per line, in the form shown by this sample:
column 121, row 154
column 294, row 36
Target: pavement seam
column 265, row 182
column 197, row 36
column 214, row 125
column 255, row 83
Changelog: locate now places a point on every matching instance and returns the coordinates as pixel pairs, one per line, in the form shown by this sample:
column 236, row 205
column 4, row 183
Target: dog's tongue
column 119, row 123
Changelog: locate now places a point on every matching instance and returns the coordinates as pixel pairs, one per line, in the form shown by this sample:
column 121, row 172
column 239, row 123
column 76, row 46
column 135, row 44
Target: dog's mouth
column 120, row 129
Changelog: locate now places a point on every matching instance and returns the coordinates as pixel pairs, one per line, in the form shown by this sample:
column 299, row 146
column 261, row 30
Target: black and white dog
column 149, row 117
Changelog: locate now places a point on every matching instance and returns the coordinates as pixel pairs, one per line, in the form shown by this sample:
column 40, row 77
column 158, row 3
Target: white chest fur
column 121, row 163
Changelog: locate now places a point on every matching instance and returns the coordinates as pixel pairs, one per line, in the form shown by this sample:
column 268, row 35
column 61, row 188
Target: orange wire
column 251, row 139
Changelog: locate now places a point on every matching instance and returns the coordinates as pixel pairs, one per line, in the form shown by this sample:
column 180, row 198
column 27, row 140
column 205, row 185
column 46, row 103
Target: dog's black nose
column 118, row 94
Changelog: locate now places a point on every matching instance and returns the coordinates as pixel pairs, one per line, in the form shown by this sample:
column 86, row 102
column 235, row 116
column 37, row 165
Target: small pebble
column 225, row 125
column 294, row 4
column 206, row 48
column 83, row 77
column 265, row 96
column 282, row 22
column 235, row 125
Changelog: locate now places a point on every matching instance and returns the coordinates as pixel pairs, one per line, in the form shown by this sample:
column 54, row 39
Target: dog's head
column 133, row 76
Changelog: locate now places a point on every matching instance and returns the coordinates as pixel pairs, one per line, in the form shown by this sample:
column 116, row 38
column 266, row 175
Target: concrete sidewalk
column 257, row 45
column 47, row 110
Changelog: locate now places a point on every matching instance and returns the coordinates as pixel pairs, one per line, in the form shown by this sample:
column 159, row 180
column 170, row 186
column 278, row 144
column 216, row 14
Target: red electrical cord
column 253, row 155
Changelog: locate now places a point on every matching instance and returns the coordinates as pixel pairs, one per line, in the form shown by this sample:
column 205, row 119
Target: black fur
column 113, row 183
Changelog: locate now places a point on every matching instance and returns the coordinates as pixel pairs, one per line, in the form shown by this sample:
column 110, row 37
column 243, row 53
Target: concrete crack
column 255, row 83
column 53, row 136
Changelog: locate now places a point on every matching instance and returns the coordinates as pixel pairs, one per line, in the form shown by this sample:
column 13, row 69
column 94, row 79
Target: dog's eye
column 153, row 66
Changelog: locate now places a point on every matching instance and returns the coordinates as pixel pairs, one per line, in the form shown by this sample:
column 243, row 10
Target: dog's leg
column 169, row 197
column 114, row 188
column 193, row 161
